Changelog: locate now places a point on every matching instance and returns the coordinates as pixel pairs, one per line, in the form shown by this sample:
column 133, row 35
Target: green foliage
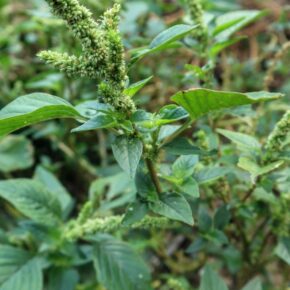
column 199, row 189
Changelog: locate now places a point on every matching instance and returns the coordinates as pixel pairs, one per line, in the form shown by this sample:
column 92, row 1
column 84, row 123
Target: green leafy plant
column 170, row 180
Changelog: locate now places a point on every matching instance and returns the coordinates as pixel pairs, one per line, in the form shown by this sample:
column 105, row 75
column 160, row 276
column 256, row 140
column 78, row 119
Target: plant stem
column 153, row 174
column 176, row 133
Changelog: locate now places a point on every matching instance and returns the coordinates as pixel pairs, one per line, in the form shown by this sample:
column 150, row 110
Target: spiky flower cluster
column 276, row 139
column 103, row 52
column 196, row 14
column 111, row 224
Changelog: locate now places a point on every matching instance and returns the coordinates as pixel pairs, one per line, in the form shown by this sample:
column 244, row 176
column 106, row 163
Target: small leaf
column 254, row 284
column 171, row 113
column 173, row 206
column 210, row 174
column 31, row 199
column 56, row 188
column 242, row 19
column 184, row 166
column 198, row 102
column 135, row 212
column 62, row 279
column 34, row 108
column 97, row 122
column 16, row 152
column 127, row 152
column 183, row 146
column 164, row 40
column 221, row 45
column 118, row 267
column 283, row 250
column 254, row 169
column 210, row 280
column 190, row 187
column 19, row 270
column 171, row 34
column 136, row 87
column 222, row 217
column 240, row 139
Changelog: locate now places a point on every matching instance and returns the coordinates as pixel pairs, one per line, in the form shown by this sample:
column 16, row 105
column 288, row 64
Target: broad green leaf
column 254, row 284
column 254, row 169
column 19, row 270
column 210, row 280
column 136, row 87
column 183, row 167
column 127, row 152
column 34, row 108
column 56, row 188
column 241, row 139
column 31, row 199
column 283, row 250
column 135, row 212
column 16, row 152
column 118, row 267
column 242, row 18
column 173, row 206
column 198, row 102
column 97, row 122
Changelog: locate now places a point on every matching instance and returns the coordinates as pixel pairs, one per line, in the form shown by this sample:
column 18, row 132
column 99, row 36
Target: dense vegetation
column 144, row 145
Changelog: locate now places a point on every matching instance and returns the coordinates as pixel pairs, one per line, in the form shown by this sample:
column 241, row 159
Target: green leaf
column 224, row 25
column 254, row 284
column 171, row 34
column 171, row 113
column 210, row 174
column 97, row 122
column 16, row 152
column 173, row 206
column 222, row 217
column 221, row 45
column 240, row 139
column 283, row 250
column 242, row 19
column 184, row 166
column 136, row 87
column 210, row 280
column 19, row 270
column 62, row 279
column 254, row 169
column 165, row 39
column 34, row 108
column 135, row 212
column 55, row 188
column 183, row 146
column 198, row 102
column 118, row 267
column 190, row 187
column 128, row 152
column 32, row 200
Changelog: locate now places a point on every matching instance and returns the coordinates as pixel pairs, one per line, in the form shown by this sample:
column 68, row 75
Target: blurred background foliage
column 84, row 164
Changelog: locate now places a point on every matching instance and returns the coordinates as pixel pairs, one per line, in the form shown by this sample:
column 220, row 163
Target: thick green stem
column 153, row 174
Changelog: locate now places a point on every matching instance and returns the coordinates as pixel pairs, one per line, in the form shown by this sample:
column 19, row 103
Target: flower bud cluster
column 102, row 56
column 196, row 13
column 278, row 136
